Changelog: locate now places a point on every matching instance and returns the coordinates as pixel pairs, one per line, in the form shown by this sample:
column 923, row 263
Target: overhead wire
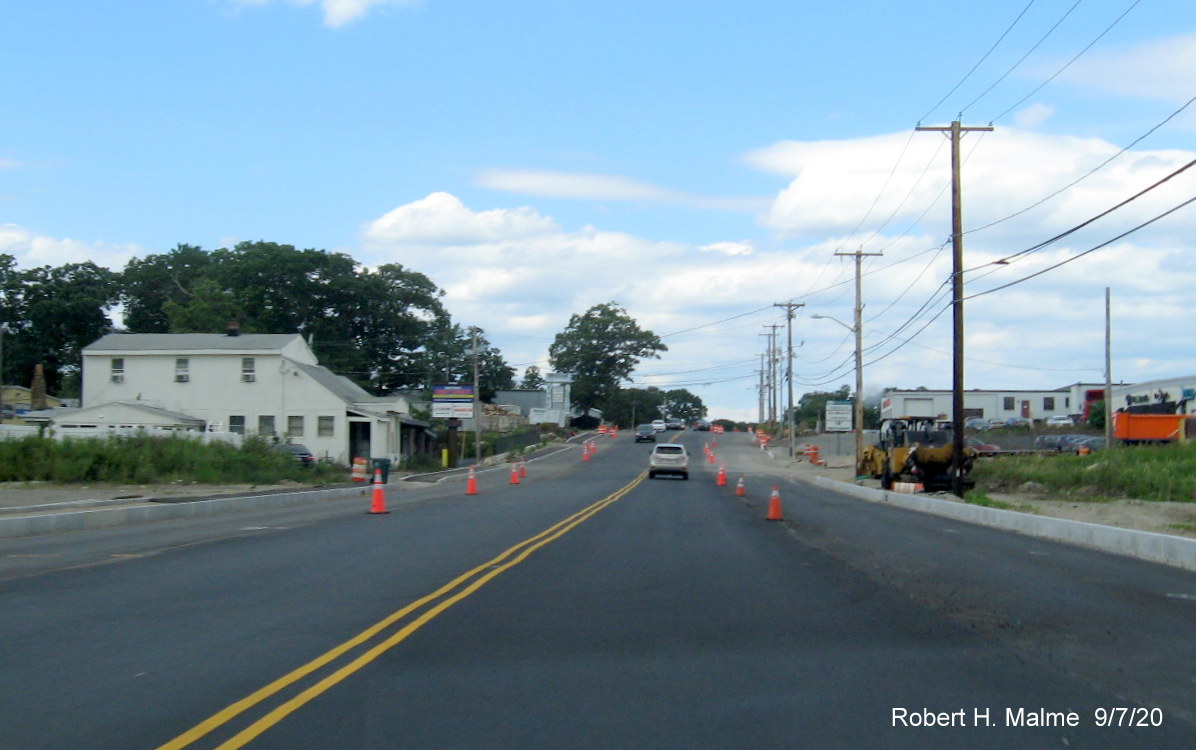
column 1069, row 63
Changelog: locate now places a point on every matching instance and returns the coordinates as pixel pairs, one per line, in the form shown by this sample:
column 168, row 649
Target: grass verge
column 1151, row 472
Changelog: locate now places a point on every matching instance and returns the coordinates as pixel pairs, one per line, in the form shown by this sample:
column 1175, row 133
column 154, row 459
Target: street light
column 859, row 386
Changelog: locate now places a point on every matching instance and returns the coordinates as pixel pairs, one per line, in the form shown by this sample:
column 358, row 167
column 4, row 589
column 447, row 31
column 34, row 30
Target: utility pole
column 768, row 384
column 858, row 329
column 477, row 405
column 1108, row 370
column 772, row 372
column 760, row 389
column 792, row 420
column 955, row 131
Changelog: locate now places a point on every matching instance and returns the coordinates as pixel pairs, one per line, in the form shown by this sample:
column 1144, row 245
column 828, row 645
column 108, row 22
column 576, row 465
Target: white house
column 251, row 384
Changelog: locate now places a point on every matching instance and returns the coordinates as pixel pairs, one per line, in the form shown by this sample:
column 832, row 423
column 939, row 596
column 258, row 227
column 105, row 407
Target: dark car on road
column 645, row 433
column 299, row 451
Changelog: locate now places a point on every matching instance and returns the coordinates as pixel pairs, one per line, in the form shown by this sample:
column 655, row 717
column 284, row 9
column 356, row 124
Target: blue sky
column 695, row 162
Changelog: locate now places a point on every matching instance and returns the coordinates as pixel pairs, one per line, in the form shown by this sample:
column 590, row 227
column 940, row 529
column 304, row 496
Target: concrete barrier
column 1176, row 551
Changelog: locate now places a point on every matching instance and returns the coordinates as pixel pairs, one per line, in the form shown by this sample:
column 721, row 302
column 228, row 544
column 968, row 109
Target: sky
column 700, row 164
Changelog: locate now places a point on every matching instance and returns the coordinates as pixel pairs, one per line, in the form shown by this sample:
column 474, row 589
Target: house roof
column 191, row 342
column 58, row 415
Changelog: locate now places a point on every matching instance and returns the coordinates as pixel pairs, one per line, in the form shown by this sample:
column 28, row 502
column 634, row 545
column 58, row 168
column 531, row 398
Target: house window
column 248, row 371
column 182, row 370
column 265, row 424
column 118, row 369
column 236, row 423
column 324, row 426
column 1009, row 403
column 1048, row 403
column 294, row 426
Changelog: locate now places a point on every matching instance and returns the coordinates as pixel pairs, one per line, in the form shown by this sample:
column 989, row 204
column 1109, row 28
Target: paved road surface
column 587, row 607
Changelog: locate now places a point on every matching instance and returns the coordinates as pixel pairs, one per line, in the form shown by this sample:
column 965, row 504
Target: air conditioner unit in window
column 118, row 378
column 248, row 377
column 182, row 378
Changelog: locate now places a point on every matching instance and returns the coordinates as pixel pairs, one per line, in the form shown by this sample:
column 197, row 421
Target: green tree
column 373, row 326
column 1096, row 415
column 148, row 285
column 50, row 314
column 683, row 405
column 632, row 406
column 601, row 348
column 206, row 309
column 532, row 378
column 811, row 407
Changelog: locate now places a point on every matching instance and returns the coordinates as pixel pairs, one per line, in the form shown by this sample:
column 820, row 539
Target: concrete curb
column 54, row 523
column 1179, row 552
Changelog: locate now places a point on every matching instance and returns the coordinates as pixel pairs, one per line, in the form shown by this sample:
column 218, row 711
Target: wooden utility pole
column 955, row 131
column 792, row 420
column 772, row 371
column 1108, row 370
column 858, row 330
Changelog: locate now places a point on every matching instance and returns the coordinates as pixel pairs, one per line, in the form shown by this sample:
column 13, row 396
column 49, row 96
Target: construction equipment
column 914, row 449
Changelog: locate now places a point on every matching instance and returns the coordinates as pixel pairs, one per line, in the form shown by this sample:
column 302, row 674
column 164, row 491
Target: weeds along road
column 588, row 607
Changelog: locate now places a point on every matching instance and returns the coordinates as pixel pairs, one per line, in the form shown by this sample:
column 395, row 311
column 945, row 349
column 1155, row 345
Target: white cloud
column 441, row 219
column 1033, row 116
column 729, row 248
column 1158, row 69
column 337, row 13
column 33, row 250
column 520, row 275
column 550, row 184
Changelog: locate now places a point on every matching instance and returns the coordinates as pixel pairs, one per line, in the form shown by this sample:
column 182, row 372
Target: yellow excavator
column 914, row 449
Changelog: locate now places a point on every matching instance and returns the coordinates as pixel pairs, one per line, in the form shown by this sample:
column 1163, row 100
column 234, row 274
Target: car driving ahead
column 645, row 433
column 669, row 458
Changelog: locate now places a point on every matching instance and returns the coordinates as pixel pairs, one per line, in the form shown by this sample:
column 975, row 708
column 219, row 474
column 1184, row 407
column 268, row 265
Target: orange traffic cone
column 514, row 474
column 739, row 489
column 721, row 481
column 471, row 485
column 774, row 504
column 378, row 506
column 585, row 451
column 523, row 468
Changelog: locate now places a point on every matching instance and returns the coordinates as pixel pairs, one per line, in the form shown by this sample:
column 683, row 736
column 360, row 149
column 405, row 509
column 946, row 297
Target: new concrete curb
column 1176, row 551
column 98, row 518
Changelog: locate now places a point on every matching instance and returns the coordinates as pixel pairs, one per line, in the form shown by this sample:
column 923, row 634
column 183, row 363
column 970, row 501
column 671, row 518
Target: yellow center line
column 484, row 572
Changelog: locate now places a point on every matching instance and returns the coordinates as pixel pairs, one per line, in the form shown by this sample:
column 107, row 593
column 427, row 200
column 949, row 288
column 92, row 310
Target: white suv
column 669, row 458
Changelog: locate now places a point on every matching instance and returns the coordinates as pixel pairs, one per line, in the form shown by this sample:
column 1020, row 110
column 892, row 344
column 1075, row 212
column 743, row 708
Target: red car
column 981, row 447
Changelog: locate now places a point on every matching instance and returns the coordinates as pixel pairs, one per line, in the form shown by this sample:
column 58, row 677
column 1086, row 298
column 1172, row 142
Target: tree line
column 385, row 328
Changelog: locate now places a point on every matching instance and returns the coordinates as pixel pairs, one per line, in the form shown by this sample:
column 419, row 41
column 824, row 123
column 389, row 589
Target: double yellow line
column 444, row 597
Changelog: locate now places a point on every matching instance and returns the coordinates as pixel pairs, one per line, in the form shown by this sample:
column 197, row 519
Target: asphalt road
column 589, row 607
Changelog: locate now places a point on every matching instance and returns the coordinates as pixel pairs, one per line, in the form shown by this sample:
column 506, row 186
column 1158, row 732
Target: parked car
column 669, row 458
column 1060, row 420
column 976, row 423
column 299, row 451
column 1018, row 422
column 983, row 448
column 645, row 433
column 659, row 425
column 1088, row 445
column 1068, row 442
